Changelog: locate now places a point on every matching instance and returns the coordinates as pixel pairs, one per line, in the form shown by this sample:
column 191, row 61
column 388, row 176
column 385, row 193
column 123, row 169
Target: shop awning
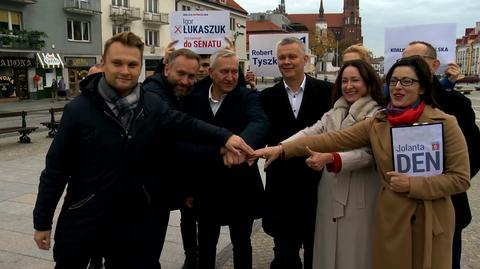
column 50, row 60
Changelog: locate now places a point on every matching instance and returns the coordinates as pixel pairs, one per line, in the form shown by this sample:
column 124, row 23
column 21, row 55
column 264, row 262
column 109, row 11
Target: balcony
column 84, row 7
column 155, row 18
column 122, row 15
column 22, row 40
column 23, row 1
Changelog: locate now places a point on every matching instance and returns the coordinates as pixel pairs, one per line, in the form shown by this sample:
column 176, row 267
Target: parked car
column 469, row 79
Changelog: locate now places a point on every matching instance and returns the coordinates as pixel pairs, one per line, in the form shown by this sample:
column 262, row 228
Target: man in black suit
column 296, row 102
column 229, row 196
column 456, row 104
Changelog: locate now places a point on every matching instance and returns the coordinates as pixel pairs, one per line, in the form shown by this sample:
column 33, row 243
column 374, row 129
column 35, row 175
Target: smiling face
column 122, row 66
column 291, row 60
column 353, row 85
column 404, row 96
column 180, row 74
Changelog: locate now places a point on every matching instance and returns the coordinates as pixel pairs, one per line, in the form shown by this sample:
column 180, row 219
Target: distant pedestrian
column 53, row 89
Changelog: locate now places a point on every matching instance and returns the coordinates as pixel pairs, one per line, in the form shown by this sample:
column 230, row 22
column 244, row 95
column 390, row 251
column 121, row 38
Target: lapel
column 304, row 106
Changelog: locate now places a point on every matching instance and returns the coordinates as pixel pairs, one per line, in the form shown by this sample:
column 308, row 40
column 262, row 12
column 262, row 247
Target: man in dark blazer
column 293, row 104
column 228, row 196
column 456, row 104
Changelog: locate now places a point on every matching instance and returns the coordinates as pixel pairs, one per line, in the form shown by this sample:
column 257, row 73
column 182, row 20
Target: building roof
column 334, row 20
column 231, row 4
column 262, row 26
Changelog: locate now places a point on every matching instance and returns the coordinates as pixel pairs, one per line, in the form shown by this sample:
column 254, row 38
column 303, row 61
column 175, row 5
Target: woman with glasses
column 347, row 192
column 414, row 217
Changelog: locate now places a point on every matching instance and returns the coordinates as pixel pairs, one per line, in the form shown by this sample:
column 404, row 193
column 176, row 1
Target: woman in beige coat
column 348, row 191
column 414, row 220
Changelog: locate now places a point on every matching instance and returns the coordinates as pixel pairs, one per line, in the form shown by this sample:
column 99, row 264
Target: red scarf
column 407, row 117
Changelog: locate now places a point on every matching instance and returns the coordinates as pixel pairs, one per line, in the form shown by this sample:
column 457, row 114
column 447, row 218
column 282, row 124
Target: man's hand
column 168, row 50
column 42, row 238
column 230, row 45
column 453, row 72
column 237, row 145
column 270, row 154
column 251, row 79
column 318, row 160
column 399, row 182
column 230, row 159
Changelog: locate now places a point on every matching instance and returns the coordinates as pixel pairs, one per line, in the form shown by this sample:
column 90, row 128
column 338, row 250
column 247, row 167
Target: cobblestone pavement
column 262, row 243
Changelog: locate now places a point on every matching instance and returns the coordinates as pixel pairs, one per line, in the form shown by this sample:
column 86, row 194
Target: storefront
column 14, row 76
column 77, row 70
column 49, row 67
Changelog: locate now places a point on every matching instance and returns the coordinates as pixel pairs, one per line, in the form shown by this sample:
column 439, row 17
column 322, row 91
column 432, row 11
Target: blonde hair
column 360, row 50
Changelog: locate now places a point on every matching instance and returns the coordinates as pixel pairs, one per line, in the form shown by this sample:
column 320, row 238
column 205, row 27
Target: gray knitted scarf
column 123, row 106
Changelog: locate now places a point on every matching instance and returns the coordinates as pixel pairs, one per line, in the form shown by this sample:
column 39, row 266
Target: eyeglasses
column 404, row 82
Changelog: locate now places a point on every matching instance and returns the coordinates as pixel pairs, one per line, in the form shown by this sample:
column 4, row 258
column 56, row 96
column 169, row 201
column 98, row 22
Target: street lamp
column 237, row 33
column 337, row 38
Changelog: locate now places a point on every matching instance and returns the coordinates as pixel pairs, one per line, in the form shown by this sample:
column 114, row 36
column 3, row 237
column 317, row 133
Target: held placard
column 418, row 149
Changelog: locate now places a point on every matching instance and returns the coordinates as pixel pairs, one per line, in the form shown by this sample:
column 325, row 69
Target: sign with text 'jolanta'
column 201, row 31
column 418, row 149
column 263, row 52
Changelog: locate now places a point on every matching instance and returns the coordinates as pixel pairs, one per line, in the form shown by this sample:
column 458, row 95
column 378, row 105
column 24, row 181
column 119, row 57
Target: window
column 152, row 6
column 151, row 38
column 116, row 29
column 232, row 24
column 185, row 8
column 120, row 3
column 10, row 20
column 78, row 30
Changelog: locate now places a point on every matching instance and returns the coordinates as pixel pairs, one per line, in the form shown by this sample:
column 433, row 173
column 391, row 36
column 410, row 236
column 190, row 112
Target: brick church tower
column 352, row 21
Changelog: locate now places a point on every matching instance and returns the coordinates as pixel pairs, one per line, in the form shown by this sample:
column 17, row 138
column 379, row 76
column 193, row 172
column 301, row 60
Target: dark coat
column 456, row 104
column 226, row 194
column 291, row 188
column 111, row 174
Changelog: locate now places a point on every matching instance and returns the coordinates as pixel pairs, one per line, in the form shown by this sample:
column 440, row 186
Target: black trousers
column 188, row 227
column 457, row 248
column 153, row 232
column 240, row 232
column 287, row 253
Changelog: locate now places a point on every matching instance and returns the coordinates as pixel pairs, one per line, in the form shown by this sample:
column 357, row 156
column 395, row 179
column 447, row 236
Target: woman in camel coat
column 414, row 220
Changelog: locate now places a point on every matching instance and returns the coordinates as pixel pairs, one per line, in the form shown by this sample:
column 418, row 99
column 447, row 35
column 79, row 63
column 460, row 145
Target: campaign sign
column 441, row 36
column 263, row 52
column 203, row 32
column 418, row 149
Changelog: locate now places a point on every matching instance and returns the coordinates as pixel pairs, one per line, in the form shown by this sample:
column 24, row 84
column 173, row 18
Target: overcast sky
column 378, row 14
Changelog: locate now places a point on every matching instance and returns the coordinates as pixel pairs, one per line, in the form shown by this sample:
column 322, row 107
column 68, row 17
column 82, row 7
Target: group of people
column 128, row 153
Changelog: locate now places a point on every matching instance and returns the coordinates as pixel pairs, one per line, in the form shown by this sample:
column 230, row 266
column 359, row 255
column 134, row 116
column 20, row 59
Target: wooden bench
column 53, row 124
column 22, row 129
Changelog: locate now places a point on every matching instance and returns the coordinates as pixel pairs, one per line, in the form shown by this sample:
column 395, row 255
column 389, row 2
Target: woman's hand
column 399, row 182
column 318, row 160
column 270, row 154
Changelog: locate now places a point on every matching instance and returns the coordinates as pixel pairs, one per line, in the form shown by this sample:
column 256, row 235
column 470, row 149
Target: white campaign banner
column 441, row 36
column 203, row 32
column 418, row 149
column 263, row 52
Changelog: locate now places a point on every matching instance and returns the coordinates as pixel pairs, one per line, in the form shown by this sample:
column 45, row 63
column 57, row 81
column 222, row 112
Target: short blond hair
column 360, row 50
column 128, row 39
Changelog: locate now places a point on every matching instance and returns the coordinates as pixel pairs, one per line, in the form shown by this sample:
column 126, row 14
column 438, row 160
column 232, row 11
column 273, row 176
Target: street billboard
column 263, row 52
column 203, row 32
column 441, row 36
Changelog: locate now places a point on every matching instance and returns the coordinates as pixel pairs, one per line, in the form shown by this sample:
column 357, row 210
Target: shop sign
column 80, row 61
column 16, row 62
